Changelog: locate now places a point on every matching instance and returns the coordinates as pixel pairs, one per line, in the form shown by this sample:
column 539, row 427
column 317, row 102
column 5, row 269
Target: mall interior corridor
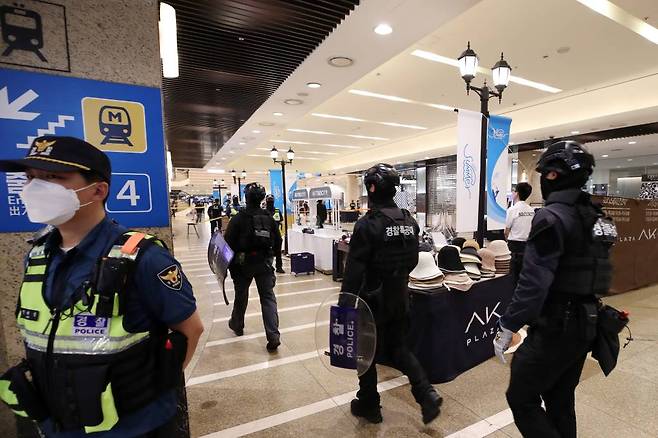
column 235, row 387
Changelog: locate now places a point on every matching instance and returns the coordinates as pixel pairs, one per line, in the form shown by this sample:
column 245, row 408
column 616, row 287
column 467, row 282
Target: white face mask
column 50, row 203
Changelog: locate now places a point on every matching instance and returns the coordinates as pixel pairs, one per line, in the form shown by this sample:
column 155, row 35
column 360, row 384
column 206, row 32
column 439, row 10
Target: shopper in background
column 215, row 216
column 253, row 235
column 517, row 226
column 107, row 317
column 383, row 251
column 321, row 214
column 199, row 207
column 278, row 219
column 565, row 266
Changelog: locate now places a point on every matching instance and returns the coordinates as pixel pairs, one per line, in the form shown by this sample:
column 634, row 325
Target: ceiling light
column 277, row 114
column 215, row 171
column 231, row 152
column 355, row 119
column 168, row 41
column 240, row 38
column 342, row 146
column 333, row 133
column 632, row 142
column 256, row 131
column 383, row 29
column 575, row 132
column 427, row 158
column 266, row 124
column 242, row 143
column 223, row 158
column 293, row 101
column 605, row 156
column 629, row 159
column 313, row 85
column 620, row 16
column 455, row 63
column 296, row 157
column 400, row 99
column 340, row 61
column 306, row 152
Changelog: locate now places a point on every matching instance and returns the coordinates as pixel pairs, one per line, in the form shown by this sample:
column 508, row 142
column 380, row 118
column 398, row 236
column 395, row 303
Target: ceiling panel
column 233, row 54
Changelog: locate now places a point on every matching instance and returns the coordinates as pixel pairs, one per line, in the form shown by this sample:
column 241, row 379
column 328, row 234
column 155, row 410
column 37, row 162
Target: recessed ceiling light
column 293, row 101
column 632, row 142
column 231, row 152
column 240, row 38
column 340, row 61
column 256, row 131
column 313, row 85
column 453, row 62
column 400, row 99
column 356, row 119
column 629, row 159
column 605, row 156
column 277, row 114
column 266, row 124
column 427, row 158
column 575, row 132
column 333, row 133
column 218, row 89
column 293, row 142
column 618, row 167
column 383, row 29
column 223, row 158
column 242, row 143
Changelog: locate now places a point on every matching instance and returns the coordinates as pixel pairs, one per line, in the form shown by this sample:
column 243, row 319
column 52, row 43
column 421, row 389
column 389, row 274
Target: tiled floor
column 235, row 387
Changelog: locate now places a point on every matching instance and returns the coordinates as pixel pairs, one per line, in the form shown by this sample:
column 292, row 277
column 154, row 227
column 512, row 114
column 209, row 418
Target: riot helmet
column 384, row 178
column 572, row 163
column 254, row 193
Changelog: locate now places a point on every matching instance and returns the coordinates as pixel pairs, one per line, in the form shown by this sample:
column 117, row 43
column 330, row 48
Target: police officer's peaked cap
column 61, row 154
column 565, row 157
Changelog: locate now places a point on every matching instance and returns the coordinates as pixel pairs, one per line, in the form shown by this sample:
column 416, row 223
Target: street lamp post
column 501, row 72
column 290, row 155
column 243, row 175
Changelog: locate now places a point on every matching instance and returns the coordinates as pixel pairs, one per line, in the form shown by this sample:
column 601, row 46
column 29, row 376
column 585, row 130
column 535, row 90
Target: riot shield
column 219, row 257
column 345, row 334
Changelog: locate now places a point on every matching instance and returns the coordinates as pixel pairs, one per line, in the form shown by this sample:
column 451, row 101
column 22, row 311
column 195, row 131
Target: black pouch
column 88, row 383
column 29, row 400
column 171, row 355
column 606, row 346
column 588, row 320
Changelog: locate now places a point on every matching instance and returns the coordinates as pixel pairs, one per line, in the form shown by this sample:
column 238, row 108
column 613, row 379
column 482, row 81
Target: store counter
column 320, row 244
column 452, row 332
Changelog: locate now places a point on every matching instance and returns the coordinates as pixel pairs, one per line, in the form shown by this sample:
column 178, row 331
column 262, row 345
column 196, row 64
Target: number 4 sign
column 130, row 193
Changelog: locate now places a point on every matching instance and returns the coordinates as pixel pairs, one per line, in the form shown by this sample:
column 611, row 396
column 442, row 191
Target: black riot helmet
column 254, row 193
column 570, row 160
column 385, row 178
column 565, row 157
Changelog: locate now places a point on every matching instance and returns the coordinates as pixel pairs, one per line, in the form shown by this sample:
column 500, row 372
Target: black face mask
column 574, row 180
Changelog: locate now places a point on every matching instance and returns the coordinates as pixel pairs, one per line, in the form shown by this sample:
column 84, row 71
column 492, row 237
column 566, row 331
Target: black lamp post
column 501, row 71
column 243, row 175
column 290, row 155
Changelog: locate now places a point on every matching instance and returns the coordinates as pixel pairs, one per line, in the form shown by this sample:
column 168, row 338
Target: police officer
column 253, row 235
column 383, row 250
column 565, row 266
column 107, row 317
column 215, row 216
column 278, row 219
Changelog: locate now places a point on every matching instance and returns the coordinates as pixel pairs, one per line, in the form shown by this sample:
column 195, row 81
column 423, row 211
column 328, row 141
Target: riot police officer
column 383, row 250
column 278, row 219
column 215, row 216
column 565, row 267
column 107, row 316
column 253, row 235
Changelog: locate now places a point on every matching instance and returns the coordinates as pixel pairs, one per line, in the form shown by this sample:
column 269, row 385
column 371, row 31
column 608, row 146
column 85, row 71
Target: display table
column 320, row 244
column 452, row 332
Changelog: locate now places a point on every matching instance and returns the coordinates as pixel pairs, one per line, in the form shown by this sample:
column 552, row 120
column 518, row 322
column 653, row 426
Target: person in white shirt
column 517, row 226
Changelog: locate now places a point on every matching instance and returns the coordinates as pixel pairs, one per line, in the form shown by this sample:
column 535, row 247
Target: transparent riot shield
column 345, row 334
column 219, row 257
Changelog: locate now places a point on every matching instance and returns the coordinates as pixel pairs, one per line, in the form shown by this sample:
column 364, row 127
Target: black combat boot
column 431, row 406
column 372, row 414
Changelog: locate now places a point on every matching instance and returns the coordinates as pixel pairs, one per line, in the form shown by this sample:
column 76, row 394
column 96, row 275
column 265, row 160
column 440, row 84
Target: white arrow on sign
column 13, row 110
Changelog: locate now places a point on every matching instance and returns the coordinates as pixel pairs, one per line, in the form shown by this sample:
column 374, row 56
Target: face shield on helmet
column 384, row 178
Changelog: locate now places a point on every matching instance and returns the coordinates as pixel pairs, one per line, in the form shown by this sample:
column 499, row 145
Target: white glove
column 502, row 342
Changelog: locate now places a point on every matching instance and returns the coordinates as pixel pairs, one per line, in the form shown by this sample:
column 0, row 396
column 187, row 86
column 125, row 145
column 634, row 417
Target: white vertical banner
column 469, row 125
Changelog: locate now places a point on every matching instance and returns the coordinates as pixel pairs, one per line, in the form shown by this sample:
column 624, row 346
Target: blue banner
column 124, row 121
column 498, row 175
column 276, row 188
column 343, row 337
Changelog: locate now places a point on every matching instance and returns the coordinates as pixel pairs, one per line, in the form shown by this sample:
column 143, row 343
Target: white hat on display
column 426, row 268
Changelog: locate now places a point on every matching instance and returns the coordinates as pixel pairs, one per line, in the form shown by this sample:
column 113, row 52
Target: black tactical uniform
column 565, row 267
column 215, row 216
column 252, row 234
column 278, row 219
column 383, row 250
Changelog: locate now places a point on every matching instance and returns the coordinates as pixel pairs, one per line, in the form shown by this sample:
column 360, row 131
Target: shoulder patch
column 542, row 221
column 171, row 277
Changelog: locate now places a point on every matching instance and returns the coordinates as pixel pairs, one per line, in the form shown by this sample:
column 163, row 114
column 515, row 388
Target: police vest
column 88, row 369
column 276, row 215
column 397, row 253
column 585, row 269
